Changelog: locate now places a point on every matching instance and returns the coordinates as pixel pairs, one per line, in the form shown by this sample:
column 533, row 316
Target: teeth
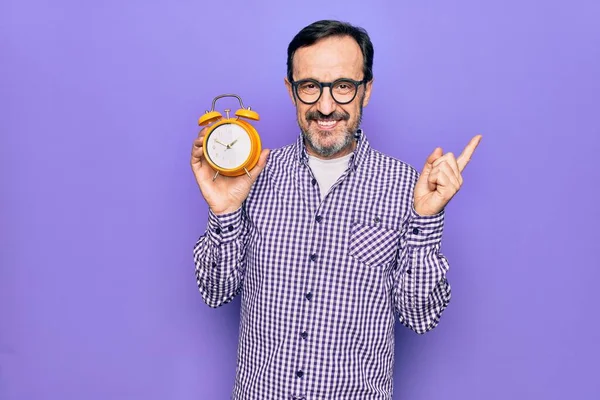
column 326, row 123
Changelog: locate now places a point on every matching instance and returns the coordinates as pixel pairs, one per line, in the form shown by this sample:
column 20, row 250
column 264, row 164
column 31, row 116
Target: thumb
column 437, row 153
column 422, row 185
column 262, row 162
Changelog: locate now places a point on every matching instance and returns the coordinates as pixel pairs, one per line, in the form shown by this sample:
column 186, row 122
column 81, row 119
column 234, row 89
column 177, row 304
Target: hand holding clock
column 225, row 194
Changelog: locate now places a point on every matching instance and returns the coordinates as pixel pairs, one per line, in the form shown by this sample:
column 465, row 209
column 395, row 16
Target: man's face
column 328, row 127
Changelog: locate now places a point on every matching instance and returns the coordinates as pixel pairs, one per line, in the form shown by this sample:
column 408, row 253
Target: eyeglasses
column 343, row 90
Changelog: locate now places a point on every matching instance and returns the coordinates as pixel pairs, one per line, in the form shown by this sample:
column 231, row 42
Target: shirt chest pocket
column 374, row 239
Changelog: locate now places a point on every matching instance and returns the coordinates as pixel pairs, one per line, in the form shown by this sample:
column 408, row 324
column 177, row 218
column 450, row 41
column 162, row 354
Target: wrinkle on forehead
column 329, row 59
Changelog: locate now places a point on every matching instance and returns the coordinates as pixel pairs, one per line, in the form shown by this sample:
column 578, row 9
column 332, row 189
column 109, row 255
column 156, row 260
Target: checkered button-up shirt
column 322, row 281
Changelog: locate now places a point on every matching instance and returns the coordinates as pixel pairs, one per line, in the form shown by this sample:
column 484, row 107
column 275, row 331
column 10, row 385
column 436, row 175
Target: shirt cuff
column 224, row 228
column 423, row 230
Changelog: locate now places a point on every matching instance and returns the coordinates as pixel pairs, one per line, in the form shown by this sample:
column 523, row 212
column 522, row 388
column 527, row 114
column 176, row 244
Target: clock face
column 228, row 146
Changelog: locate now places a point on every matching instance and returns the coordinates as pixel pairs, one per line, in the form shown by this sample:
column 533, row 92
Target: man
column 329, row 240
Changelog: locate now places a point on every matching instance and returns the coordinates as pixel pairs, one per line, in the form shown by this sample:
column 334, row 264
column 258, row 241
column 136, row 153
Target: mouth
column 326, row 124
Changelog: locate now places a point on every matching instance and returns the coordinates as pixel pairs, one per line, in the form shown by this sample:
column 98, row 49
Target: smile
column 328, row 124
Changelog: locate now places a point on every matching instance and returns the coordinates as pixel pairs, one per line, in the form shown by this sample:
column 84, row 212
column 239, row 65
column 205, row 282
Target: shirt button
column 218, row 231
column 309, row 296
column 319, row 218
column 304, row 335
column 416, row 231
column 409, row 271
column 299, row 373
column 230, row 228
column 313, row 257
column 314, row 182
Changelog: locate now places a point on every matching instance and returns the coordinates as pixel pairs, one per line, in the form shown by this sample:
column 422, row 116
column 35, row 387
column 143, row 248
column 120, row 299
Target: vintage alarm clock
column 231, row 145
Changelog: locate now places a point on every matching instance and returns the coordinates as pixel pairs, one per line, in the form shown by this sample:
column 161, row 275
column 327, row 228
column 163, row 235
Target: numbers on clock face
column 228, row 146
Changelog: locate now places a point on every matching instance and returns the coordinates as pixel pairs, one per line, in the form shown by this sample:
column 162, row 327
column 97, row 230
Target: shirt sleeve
column 422, row 291
column 219, row 257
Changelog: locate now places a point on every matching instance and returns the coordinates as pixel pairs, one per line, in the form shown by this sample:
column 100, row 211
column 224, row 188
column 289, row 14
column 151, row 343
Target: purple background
column 99, row 208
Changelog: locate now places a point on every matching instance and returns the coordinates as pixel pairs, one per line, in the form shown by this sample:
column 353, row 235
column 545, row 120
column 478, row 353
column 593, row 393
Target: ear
column 368, row 89
column 288, row 85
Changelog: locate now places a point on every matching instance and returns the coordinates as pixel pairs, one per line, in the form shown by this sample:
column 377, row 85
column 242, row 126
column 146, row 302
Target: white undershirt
column 327, row 172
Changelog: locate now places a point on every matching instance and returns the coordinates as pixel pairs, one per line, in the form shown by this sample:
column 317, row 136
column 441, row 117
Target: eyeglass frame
column 324, row 85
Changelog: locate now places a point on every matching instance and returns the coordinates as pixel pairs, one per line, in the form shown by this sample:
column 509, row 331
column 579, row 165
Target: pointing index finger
column 467, row 153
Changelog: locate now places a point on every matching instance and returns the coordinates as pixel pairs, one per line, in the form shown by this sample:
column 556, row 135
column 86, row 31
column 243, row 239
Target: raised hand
column 441, row 178
column 225, row 194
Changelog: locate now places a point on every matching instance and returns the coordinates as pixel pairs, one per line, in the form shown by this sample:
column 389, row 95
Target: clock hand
column 217, row 140
column 232, row 143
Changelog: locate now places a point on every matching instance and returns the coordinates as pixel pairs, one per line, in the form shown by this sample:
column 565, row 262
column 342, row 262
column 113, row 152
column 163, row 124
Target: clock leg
column 248, row 173
column 215, row 177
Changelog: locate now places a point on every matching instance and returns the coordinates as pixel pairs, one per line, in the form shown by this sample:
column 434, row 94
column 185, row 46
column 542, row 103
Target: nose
column 326, row 104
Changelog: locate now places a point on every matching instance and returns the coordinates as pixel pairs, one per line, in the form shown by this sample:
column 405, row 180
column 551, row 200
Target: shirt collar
column 360, row 152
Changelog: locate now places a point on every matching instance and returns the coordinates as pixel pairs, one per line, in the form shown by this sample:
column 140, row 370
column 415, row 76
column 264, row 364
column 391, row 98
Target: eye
column 308, row 86
column 344, row 88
